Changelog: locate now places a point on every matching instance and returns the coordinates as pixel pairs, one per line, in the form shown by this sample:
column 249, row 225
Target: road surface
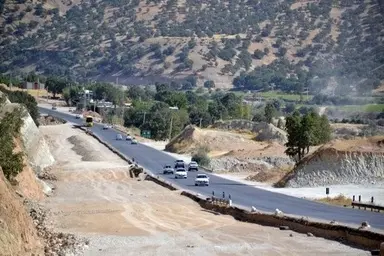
column 241, row 194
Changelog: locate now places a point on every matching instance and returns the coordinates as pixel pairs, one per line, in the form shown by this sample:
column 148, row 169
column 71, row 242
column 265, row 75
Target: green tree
column 71, row 95
column 269, row 112
column 306, row 131
column 177, row 99
column 293, row 127
column 10, row 124
column 55, row 85
column 209, row 84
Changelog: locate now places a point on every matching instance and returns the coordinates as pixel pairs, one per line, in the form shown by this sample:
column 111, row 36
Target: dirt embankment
column 18, row 235
column 359, row 161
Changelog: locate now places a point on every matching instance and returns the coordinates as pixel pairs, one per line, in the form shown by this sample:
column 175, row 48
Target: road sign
column 145, row 134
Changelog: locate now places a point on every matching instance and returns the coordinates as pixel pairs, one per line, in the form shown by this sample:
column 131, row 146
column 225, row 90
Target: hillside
column 329, row 45
column 358, row 161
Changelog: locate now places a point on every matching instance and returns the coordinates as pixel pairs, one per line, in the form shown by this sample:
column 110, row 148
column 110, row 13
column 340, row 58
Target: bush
column 25, row 99
column 10, row 162
column 201, row 157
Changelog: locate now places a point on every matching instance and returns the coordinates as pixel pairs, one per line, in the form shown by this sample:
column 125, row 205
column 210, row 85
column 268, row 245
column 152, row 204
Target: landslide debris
column 56, row 243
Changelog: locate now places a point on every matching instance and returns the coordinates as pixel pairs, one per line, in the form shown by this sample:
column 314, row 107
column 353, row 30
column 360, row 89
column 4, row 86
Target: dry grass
column 340, row 200
column 33, row 92
column 270, row 176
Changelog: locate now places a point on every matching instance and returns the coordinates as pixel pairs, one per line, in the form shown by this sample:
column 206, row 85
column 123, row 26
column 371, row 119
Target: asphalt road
column 241, row 194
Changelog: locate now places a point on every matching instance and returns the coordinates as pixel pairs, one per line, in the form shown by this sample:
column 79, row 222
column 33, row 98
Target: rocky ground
column 97, row 200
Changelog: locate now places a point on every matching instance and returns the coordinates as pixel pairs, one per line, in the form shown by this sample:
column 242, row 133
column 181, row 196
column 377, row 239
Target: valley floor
column 96, row 198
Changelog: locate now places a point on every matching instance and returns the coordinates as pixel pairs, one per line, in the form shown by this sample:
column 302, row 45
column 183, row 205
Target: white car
column 202, row 180
column 168, row 169
column 105, row 127
column 193, row 166
column 119, row 137
column 129, row 137
column 133, row 141
column 181, row 173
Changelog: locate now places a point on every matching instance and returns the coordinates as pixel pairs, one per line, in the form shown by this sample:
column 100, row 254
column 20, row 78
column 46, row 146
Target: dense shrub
column 25, row 99
column 10, row 124
column 201, row 157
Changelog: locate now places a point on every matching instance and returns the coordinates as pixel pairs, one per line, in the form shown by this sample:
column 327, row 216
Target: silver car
column 119, row 137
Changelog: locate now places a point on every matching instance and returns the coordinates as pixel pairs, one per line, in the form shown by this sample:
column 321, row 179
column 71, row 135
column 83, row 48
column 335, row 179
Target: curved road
column 241, row 194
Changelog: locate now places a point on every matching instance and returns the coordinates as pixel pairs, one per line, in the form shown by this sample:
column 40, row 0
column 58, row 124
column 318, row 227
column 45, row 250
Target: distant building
column 33, row 86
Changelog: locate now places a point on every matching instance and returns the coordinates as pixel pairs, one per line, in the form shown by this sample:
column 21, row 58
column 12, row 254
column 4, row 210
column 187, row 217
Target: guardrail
column 221, row 201
column 370, row 205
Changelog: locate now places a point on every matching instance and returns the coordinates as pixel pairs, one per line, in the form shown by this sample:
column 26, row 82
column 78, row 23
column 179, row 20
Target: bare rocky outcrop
column 254, row 164
column 358, row 161
column 35, row 146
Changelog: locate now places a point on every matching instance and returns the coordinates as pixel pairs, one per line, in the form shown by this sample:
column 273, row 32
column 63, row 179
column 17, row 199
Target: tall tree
column 293, row 127
column 55, row 85
column 306, row 131
column 270, row 112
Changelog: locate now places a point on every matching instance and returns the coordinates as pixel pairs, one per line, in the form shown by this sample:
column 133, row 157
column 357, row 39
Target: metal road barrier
column 370, row 205
column 221, row 201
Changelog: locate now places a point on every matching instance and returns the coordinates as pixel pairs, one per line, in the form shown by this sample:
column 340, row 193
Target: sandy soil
column 96, row 198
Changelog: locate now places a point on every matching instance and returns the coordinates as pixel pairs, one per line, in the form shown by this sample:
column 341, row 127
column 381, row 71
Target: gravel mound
column 56, row 243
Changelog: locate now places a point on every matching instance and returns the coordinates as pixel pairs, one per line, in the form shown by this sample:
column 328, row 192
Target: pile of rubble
column 56, row 243
column 46, row 174
column 50, row 120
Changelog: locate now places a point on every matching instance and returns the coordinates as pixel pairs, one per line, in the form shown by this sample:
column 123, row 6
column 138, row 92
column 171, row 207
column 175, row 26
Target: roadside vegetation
column 23, row 98
column 10, row 123
column 340, row 200
column 305, row 131
column 201, row 156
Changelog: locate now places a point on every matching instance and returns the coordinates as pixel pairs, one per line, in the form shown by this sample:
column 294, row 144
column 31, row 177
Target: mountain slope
column 327, row 45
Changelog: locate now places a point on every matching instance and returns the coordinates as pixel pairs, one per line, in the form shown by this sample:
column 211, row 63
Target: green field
column 276, row 95
column 284, row 96
column 369, row 108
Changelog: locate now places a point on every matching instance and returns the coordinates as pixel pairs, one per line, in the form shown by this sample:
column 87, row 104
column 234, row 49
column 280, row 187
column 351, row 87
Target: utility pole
column 85, row 100
column 144, row 117
column 170, row 127
column 122, row 113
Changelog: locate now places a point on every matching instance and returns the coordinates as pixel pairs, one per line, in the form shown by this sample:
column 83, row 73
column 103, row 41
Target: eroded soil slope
column 96, row 198
column 18, row 235
column 359, row 161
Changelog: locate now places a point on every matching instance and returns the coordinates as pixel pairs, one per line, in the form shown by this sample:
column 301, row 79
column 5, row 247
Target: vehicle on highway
column 54, row 106
column 128, row 137
column 89, row 121
column 133, row 141
column 105, row 127
column 193, row 166
column 202, row 180
column 77, row 116
column 179, row 164
column 181, row 173
column 119, row 137
column 168, row 169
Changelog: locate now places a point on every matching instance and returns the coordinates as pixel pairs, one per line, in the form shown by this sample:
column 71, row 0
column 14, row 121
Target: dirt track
column 96, row 198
